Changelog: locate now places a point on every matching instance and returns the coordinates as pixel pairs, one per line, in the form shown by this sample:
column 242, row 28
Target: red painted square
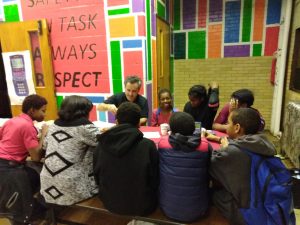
column 116, row 2
column 141, row 26
column 133, row 65
column 93, row 114
column 271, row 43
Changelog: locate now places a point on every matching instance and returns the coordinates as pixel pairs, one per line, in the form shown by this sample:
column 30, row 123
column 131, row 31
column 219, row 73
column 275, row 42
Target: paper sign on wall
column 18, row 73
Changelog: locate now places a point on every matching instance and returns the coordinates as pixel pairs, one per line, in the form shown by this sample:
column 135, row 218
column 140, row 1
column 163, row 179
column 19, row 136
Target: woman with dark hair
column 163, row 113
column 203, row 105
column 242, row 98
column 66, row 177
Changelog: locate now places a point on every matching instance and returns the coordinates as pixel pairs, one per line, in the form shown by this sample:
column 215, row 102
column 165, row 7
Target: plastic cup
column 164, row 128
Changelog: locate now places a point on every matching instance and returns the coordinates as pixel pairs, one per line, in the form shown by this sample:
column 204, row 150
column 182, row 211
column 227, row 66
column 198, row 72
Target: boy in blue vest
column 231, row 166
column 183, row 165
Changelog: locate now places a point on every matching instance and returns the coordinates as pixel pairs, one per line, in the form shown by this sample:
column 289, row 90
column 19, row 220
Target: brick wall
column 231, row 74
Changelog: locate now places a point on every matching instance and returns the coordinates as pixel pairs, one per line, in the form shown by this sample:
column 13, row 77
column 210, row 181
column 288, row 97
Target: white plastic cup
column 164, row 128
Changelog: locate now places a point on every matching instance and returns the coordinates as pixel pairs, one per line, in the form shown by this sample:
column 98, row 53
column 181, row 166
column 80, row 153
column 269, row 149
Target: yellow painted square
column 122, row 27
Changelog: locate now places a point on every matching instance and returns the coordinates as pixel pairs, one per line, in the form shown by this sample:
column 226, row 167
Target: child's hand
column 44, row 129
column 224, row 142
column 213, row 85
column 234, row 103
column 112, row 108
column 103, row 129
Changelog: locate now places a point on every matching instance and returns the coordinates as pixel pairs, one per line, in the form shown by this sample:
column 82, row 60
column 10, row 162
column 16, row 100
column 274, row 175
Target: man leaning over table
column 131, row 94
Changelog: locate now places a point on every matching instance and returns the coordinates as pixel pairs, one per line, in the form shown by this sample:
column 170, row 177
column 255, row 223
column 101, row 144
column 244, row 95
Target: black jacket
column 126, row 169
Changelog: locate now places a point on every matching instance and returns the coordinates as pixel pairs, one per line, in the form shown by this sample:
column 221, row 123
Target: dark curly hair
column 33, row 102
column 182, row 123
column 75, row 107
column 245, row 96
column 198, row 91
column 248, row 119
column 129, row 112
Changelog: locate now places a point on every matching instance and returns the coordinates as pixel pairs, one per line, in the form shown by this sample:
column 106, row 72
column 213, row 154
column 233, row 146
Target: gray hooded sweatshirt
column 230, row 169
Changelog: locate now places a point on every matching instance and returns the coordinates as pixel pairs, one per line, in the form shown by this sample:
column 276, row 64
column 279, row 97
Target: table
column 146, row 130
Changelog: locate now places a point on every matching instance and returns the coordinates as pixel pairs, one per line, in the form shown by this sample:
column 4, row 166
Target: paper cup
column 164, row 128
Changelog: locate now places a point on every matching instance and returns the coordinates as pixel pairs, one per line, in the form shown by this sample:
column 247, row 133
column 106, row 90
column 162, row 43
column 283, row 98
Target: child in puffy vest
column 163, row 113
column 183, row 162
column 232, row 168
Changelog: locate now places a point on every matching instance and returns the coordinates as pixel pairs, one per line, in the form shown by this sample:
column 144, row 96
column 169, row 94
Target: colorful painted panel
column 233, row 28
column 95, row 44
column 232, row 21
column 79, row 44
column 259, row 12
column 272, row 34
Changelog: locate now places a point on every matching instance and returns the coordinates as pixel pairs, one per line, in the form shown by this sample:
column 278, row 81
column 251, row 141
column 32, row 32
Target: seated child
column 66, row 175
column 126, row 165
column 184, row 161
column 165, row 110
column 242, row 98
column 18, row 140
column 231, row 166
column 203, row 105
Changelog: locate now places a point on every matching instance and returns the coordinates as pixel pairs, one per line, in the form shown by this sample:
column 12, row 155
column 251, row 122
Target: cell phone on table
column 18, row 75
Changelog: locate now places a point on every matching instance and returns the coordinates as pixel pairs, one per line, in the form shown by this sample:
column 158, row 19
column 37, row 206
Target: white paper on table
column 150, row 135
column 3, row 120
column 101, row 124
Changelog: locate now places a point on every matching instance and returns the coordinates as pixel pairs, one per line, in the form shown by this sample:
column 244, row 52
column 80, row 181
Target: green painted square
column 256, row 49
column 118, row 11
column 247, row 19
column 196, row 45
column 11, row 13
column 161, row 10
column 179, row 45
column 176, row 15
column 59, row 100
column 116, row 66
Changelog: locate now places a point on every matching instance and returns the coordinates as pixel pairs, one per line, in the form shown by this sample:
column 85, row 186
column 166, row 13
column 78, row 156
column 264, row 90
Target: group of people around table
column 130, row 173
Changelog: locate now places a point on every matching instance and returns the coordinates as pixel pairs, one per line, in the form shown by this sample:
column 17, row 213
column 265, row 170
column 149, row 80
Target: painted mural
column 222, row 28
column 95, row 44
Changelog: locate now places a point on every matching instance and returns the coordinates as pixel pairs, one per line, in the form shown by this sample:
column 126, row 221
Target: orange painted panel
column 154, row 74
column 141, row 26
column 214, row 40
column 117, row 2
column 258, row 27
column 133, row 65
column 122, row 27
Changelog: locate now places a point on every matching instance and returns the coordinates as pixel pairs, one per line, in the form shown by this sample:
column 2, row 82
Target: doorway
column 163, row 56
column 33, row 38
column 5, row 110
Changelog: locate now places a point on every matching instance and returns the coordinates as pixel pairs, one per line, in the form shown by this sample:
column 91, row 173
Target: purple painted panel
column 149, row 98
column 111, row 117
column 215, row 10
column 237, row 51
column 153, row 19
column 138, row 6
column 189, row 14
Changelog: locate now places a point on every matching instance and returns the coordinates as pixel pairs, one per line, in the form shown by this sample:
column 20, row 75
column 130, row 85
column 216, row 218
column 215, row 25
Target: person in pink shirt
column 163, row 113
column 242, row 98
column 18, row 140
